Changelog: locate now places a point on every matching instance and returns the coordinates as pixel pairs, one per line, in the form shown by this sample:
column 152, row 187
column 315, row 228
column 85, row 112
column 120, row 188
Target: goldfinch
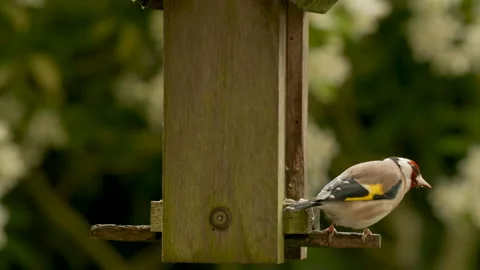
column 365, row 193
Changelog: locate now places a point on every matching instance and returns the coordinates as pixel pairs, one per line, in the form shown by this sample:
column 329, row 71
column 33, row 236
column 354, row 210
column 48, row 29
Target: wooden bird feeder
column 234, row 135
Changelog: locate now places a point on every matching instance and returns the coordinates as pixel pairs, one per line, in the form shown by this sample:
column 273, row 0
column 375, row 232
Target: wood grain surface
column 224, row 140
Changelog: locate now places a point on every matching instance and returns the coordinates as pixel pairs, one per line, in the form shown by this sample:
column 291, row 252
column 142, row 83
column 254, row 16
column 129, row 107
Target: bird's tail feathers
column 302, row 205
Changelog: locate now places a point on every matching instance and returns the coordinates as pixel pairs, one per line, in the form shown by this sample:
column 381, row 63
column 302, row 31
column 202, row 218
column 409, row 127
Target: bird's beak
column 422, row 183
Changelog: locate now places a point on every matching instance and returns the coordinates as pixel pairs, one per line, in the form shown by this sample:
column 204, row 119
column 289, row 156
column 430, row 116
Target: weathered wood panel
column 156, row 216
column 296, row 111
column 224, row 130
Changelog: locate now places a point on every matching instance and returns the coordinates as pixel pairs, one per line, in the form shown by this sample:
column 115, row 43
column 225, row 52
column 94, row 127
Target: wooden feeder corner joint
column 234, row 65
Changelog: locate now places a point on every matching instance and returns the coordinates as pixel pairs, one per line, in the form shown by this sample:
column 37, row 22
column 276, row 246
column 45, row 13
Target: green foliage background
column 68, row 56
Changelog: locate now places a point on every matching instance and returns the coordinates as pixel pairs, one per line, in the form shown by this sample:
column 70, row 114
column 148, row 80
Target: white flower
column 457, row 199
column 44, row 131
column 470, row 169
column 366, row 14
column 328, row 67
column 449, row 200
column 323, row 21
column 438, row 34
column 471, row 45
column 362, row 17
column 12, row 166
column 452, row 61
column 131, row 91
column 322, row 148
column 147, row 97
column 426, row 7
column 154, row 108
column 431, row 35
column 4, row 132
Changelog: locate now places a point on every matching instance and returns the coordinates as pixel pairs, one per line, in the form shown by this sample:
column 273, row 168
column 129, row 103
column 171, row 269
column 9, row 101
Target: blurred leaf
column 46, row 74
column 128, row 42
column 5, row 75
column 17, row 16
column 103, row 29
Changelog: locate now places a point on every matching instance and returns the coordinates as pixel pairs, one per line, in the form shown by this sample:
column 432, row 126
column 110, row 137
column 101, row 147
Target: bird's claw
column 331, row 232
column 366, row 233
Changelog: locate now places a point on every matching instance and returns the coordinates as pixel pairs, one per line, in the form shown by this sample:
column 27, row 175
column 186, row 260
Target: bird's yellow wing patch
column 375, row 189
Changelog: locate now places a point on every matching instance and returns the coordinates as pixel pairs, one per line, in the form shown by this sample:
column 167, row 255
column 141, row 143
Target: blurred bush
column 81, row 98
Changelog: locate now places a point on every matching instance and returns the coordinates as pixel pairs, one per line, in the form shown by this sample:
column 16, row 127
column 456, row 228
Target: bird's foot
column 366, row 233
column 331, row 232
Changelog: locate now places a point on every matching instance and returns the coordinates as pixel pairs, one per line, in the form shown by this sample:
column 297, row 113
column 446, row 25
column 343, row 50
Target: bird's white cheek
column 408, row 183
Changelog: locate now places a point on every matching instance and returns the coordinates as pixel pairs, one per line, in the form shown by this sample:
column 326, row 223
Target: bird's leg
column 331, row 231
column 366, row 233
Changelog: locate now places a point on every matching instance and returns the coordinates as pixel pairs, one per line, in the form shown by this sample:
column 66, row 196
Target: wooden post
column 224, row 141
column 296, row 111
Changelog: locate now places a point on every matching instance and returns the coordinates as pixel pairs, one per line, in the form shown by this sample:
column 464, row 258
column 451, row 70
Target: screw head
column 220, row 218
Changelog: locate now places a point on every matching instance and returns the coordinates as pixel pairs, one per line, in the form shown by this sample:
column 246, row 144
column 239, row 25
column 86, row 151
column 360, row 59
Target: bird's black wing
column 350, row 189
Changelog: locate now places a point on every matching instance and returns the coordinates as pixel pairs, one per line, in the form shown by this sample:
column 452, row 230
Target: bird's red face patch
column 415, row 173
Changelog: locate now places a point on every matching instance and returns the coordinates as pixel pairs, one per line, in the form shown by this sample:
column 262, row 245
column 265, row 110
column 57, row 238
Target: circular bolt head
column 220, row 218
